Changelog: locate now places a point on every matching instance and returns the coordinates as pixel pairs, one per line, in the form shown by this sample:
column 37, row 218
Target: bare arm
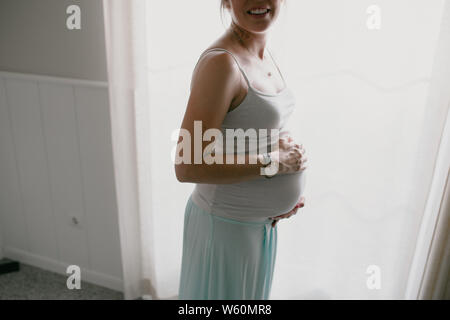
column 214, row 87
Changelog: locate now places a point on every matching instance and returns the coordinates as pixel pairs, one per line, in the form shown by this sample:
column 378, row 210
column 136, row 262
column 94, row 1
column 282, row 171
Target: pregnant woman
column 230, row 234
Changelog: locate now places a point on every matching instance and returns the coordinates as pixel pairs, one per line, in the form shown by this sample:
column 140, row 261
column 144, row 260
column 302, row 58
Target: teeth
column 259, row 11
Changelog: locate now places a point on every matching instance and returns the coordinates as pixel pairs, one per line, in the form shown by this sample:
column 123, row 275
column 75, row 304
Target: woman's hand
column 290, row 155
column 300, row 204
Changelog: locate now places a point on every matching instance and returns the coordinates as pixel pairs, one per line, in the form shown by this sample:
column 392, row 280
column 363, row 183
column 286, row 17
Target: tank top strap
column 234, row 57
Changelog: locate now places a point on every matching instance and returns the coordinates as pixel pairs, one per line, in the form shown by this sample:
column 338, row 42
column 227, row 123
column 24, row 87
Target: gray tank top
column 257, row 199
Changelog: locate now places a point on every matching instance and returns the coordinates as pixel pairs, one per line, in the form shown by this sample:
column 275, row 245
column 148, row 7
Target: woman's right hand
column 290, row 155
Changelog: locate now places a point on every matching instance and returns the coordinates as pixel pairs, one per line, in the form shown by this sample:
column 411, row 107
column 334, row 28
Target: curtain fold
column 437, row 268
column 434, row 156
column 126, row 44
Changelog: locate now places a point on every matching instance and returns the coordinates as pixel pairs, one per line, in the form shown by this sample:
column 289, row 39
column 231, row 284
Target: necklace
column 269, row 74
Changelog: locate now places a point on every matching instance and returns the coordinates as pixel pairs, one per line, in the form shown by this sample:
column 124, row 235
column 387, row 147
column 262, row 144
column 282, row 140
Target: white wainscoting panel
column 57, row 195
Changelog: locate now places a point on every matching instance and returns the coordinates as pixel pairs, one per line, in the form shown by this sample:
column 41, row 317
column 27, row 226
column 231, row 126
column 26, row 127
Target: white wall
column 55, row 147
column 1, row 244
column 56, row 165
column 34, row 39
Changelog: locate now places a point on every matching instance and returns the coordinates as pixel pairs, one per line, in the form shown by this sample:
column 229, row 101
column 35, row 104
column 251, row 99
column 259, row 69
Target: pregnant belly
column 261, row 197
column 284, row 191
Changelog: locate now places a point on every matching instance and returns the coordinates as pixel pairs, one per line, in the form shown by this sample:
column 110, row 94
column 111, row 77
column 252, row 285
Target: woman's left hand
column 301, row 204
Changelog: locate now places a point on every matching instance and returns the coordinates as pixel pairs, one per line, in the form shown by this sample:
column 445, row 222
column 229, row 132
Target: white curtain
column 428, row 275
column 126, row 46
column 371, row 109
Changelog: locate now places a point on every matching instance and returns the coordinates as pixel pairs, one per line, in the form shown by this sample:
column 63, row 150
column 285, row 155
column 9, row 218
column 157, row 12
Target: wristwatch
column 266, row 161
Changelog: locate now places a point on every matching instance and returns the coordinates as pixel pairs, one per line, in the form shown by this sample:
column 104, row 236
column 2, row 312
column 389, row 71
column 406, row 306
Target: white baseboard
column 59, row 267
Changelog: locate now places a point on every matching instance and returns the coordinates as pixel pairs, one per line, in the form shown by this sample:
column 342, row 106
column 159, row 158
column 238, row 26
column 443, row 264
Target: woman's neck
column 254, row 43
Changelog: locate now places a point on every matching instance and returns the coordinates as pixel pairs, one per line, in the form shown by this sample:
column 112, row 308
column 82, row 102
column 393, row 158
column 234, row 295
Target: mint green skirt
column 226, row 259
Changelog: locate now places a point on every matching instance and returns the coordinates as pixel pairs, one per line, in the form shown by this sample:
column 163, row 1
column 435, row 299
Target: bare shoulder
column 216, row 63
column 215, row 71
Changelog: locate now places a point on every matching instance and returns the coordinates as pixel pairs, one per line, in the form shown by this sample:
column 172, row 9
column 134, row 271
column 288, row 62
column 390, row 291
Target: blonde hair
column 222, row 10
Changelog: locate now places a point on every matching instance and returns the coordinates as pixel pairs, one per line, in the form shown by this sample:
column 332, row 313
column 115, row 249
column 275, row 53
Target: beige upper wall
column 34, row 39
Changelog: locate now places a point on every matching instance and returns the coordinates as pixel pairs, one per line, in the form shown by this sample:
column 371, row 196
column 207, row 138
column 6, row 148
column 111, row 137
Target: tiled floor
column 38, row 284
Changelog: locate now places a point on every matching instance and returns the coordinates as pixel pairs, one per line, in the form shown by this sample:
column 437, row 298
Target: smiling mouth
column 258, row 12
